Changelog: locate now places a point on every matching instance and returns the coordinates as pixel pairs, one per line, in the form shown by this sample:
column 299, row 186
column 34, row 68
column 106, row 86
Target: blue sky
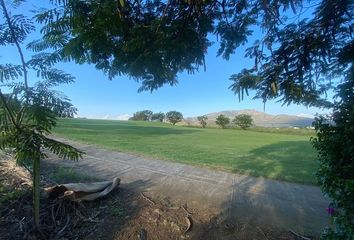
column 204, row 92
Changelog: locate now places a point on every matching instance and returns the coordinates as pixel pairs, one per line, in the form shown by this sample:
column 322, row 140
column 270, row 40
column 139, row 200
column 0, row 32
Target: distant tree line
column 244, row 121
column 147, row 115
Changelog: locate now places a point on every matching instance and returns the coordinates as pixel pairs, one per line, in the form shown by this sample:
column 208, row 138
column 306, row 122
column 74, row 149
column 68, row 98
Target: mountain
column 259, row 119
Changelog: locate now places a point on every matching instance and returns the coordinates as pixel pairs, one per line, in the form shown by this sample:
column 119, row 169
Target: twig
column 260, row 229
column 163, row 15
column 21, row 224
column 16, row 41
column 187, row 212
column 61, row 232
column 79, row 214
column 302, row 237
column 142, row 234
column 53, row 217
column 90, row 219
column 96, row 214
column 147, row 199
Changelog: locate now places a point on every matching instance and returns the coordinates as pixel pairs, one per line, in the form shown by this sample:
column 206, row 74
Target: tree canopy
column 174, row 117
column 295, row 59
column 203, row 120
column 222, row 121
column 244, row 121
column 144, row 115
column 160, row 116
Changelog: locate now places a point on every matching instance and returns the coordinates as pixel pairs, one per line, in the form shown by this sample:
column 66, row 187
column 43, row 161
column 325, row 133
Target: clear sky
column 206, row 91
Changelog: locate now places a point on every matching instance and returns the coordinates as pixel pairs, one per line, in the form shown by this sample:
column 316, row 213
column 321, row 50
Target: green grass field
column 271, row 155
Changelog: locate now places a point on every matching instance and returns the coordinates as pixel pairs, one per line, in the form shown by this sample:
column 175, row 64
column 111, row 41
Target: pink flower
column 330, row 211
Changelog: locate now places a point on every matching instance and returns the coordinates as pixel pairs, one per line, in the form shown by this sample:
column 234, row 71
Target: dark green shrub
column 335, row 146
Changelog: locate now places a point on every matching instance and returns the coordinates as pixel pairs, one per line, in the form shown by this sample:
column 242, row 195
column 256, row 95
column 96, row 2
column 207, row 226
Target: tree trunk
column 36, row 192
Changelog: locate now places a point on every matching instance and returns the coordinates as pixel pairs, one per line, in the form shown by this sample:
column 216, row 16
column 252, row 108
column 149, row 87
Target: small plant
column 117, row 210
column 7, row 195
column 28, row 112
column 222, row 121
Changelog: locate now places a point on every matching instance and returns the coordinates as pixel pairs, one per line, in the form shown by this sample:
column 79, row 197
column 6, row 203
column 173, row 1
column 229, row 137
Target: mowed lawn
column 272, row 155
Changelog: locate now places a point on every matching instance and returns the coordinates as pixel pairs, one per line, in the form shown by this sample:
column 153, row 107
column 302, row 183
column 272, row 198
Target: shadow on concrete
column 265, row 209
column 287, row 160
column 277, row 204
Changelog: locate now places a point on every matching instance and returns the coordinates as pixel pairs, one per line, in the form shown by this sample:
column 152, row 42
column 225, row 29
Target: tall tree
column 160, row 116
column 28, row 113
column 244, row 121
column 144, row 115
column 306, row 48
column 203, row 120
column 222, row 121
column 174, row 117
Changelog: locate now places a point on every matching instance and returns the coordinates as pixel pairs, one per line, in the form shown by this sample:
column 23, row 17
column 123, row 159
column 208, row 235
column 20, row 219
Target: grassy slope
column 271, row 155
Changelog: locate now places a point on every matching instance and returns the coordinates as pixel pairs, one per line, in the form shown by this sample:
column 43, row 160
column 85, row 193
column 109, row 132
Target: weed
column 7, row 194
column 117, row 210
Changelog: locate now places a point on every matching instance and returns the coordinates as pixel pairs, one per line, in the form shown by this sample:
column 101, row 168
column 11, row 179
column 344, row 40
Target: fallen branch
column 147, row 199
column 53, row 217
column 299, row 236
column 79, row 192
column 260, row 229
column 189, row 224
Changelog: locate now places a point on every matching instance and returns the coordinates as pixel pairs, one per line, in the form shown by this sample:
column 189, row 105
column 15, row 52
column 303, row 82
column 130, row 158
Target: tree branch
column 7, row 108
column 13, row 35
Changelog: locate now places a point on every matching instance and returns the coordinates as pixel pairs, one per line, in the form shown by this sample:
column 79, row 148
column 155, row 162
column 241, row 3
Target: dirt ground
column 159, row 218
column 122, row 214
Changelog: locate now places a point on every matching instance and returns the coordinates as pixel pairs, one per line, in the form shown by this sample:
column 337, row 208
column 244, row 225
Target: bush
column 335, row 146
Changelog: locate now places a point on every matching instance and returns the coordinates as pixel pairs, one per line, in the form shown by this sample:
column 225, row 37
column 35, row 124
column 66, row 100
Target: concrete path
column 264, row 201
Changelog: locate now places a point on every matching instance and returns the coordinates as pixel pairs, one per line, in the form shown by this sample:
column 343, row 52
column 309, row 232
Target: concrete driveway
column 264, row 201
